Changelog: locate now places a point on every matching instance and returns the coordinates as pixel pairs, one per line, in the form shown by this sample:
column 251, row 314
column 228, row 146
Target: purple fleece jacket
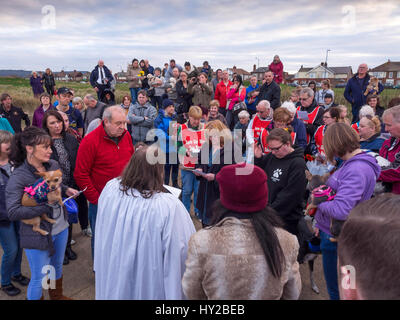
column 354, row 182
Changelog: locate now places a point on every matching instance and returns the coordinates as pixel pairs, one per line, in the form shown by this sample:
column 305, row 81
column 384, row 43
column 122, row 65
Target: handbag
column 72, row 210
column 238, row 107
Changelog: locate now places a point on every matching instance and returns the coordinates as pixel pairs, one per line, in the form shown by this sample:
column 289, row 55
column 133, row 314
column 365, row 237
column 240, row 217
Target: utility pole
column 258, row 62
column 326, row 62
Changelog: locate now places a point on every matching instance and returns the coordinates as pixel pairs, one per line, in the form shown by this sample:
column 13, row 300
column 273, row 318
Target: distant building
column 387, row 73
column 259, row 72
column 243, row 73
column 121, row 76
column 61, row 76
column 75, row 76
column 322, row 71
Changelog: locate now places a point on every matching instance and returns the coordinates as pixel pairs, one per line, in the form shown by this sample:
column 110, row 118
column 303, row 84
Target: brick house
column 259, row 72
column 322, row 71
column 387, row 73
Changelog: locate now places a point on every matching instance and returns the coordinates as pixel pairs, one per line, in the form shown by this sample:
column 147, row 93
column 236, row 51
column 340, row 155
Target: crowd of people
column 237, row 156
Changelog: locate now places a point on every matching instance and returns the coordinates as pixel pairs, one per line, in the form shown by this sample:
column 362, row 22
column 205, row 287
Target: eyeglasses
column 303, row 99
column 276, row 149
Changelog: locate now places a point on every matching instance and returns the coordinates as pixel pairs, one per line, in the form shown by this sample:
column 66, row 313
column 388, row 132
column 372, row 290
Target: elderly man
column 270, row 90
column 13, row 114
column 169, row 72
column 390, row 149
column 102, row 156
column 355, row 90
column 149, row 67
column 94, row 110
column 260, row 121
column 310, row 112
column 100, row 78
column 141, row 116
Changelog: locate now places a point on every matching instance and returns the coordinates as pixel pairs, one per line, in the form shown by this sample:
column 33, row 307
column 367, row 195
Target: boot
column 57, row 293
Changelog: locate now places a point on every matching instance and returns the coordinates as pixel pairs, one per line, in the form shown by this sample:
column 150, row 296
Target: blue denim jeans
column 329, row 262
column 134, row 92
column 92, row 221
column 190, row 185
column 39, row 258
column 12, row 256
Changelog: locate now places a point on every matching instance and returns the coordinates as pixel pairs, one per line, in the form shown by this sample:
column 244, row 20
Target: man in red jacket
column 221, row 91
column 102, row 155
column 390, row 149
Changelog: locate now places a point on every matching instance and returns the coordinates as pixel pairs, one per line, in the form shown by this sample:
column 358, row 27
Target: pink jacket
column 234, row 96
column 393, row 174
column 277, row 69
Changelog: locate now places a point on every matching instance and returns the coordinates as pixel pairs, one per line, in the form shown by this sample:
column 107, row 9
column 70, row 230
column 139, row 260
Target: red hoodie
column 99, row 160
column 389, row 150
column 277, row 69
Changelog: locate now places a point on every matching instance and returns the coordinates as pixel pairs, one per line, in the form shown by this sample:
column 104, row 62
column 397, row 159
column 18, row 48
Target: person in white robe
column 142, row 236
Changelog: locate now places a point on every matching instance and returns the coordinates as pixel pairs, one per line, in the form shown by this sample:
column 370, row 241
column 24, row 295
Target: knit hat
column 243, row 187
column 166, row 103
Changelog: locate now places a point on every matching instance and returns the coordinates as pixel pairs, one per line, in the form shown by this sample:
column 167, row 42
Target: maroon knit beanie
column 243, row 189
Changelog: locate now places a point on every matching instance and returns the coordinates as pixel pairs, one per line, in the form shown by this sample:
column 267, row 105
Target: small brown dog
column 46, row 189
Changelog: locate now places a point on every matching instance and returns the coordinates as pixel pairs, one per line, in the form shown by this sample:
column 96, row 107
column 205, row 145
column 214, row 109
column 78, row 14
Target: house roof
column 261, row 69
column 334, row 70
column 240, row 71
column 388, row 66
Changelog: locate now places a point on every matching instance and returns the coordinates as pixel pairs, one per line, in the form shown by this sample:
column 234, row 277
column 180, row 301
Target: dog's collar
column 323, row 191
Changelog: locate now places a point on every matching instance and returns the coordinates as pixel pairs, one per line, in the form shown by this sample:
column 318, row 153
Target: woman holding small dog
column 30, row 154
column 353, row 183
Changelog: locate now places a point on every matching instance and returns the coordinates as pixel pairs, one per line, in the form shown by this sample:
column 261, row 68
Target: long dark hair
column 263, row 222
column 55, row 114
column 31, row 136
column 139, row 174
column 238, row 78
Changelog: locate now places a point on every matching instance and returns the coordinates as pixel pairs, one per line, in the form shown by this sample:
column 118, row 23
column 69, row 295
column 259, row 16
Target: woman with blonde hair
column 219, row 142
column 190, row 138
column 353, row 183
column 370, row 133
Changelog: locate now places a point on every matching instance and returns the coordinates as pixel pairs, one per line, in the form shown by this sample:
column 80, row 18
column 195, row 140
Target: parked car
column 341, row 85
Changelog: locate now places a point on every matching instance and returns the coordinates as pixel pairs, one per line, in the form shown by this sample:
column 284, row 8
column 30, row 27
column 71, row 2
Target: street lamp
column 326, row 62
column 258, row 62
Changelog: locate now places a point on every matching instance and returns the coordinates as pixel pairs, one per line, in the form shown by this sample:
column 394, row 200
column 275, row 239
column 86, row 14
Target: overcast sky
column 74, row 34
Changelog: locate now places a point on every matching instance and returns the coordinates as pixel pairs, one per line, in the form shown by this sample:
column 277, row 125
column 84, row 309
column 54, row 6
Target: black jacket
column 184, row 99
column 4, row 221
column 71, row 145
column 94, row 75
column 22, row 177
column 49, row 81
column 209, row 190
column 286, row 183
column 14, row 117
column 272, row 93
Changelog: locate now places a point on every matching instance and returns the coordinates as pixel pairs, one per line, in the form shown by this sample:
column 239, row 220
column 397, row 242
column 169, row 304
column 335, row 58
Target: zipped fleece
column 99, row 160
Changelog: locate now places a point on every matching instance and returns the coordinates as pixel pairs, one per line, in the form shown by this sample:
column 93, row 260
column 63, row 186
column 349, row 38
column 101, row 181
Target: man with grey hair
column 309, row 112
column 390, row 149
column 260, row 121
column 100, row 78
column 270, row 90
column 102, row 155
column 94, row 110
column 355, row 91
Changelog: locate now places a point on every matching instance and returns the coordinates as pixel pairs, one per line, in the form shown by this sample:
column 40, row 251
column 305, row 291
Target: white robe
column 140, row 245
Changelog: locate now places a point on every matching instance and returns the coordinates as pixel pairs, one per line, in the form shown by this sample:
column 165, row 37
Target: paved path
column 79, row 278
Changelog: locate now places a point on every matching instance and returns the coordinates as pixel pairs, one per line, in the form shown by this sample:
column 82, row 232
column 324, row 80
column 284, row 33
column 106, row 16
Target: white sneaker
column 72, row 242
column 87, row 232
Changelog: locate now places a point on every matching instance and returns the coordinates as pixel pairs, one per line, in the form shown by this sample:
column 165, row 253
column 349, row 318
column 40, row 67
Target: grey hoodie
column 140, row 125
